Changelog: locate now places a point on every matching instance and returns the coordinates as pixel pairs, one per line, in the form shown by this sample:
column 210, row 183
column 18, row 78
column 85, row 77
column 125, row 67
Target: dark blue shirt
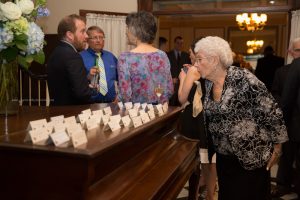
column 110, row 63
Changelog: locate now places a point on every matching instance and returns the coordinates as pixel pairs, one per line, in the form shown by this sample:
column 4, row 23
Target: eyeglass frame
column 100, row 38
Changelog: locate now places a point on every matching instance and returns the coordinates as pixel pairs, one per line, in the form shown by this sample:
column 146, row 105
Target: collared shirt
column 110, row 63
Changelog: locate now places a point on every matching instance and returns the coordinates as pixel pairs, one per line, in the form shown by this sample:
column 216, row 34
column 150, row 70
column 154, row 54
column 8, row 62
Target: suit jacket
column 291, row 101
column 278, row 83
column 67, row 80
column 266, row 67
column 176, row 66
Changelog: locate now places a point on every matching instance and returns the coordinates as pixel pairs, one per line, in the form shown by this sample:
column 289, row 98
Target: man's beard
column 79, row 46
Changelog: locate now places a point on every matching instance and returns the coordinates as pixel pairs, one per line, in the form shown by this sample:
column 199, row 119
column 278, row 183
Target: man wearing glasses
column 101, row 66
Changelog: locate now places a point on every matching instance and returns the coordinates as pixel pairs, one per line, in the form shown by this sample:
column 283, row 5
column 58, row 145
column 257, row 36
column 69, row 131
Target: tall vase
column 9, row 91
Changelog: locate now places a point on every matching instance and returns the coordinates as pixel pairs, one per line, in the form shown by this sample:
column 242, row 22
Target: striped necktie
column 102, row 77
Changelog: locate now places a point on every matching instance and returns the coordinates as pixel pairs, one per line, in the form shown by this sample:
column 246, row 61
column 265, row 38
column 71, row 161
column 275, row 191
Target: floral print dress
column 247, row 121
column 140, row 73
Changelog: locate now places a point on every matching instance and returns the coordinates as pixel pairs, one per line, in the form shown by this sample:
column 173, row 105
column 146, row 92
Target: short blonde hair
column 216, row 46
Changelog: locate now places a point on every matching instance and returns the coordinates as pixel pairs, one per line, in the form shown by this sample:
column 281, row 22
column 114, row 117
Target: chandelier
column 253, row 23
column 254, row 45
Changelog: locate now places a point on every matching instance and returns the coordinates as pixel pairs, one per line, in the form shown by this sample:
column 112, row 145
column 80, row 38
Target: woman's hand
column 182, row 75
column 275, row 156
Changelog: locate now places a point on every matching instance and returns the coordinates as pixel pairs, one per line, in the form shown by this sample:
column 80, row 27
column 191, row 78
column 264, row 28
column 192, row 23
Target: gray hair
column 142, row 25
column 213, row 45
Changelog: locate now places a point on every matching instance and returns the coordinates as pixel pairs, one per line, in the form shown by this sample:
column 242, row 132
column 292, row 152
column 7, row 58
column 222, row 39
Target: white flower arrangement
column 21, row 38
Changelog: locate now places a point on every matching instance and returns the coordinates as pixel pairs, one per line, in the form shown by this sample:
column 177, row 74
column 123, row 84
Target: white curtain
column 114, row 28
column 295, row 29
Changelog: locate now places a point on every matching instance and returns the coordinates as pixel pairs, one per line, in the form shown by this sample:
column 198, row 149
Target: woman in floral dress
column 145, row 67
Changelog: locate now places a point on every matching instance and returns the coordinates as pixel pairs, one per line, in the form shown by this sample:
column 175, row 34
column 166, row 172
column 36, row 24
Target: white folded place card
column 60, row 138
column 133, row 113
column 105, row 119
column 107, row 111
column 59, row 127
column 59, row 119
column 78, row 138
column 165, row 107
column 70, row 120
column 144, row 106
column 37, row 124
column 150, row 107
column 91, row 124
column 114, row 126
column 137, row 106
column 151, row 114
column 74, row 128
column 142, row 112
column 128, row 105
column 98, row 112
column 160, row 111
column 126, row 121
column 96, row 117
column 137, row 121
column 145, row 118
column 39, row 137
column 115, row 118
column 87, row 111
column 83, row 117
column 120, row 105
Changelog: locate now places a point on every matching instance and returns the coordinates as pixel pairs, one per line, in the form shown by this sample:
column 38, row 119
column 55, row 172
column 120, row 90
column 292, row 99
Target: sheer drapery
column 114, row 28
column 295, row 29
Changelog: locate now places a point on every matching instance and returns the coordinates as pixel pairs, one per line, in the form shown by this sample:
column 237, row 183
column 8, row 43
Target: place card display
column 83, row 117
column 91, row 124
column 133, row 113
column 165, row 107
column 114, row 126
column 107, row 111
column 128, row 105
column 59, row 127
column 142, row 112
column 150, row 107
column 79, row 138
column 98, row 112
column 126, row 121
column 60, row 139
column 97, row 118
column 120, row 105
column 137, row 106
column 145, row 118
column 115, row 118
column 137, row 121
column 151, row 114
column 87, row 112
column 105, row 119
column 37, row 124
column 70, row 120
column 38, row 137
column 144, row 106
column 58, row 119
column 74, row 128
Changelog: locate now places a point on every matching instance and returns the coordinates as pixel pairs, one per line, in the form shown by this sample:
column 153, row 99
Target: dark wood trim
column 146, row 5
column 84, row 12
column 224, row 11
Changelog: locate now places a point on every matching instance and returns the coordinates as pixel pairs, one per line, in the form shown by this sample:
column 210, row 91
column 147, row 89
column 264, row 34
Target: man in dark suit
column 286, row 88
column 67, row 79
column 266, row 67
column 177, row 58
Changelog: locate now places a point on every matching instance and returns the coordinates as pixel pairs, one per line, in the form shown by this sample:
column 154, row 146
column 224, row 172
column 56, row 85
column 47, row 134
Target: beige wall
column 61, row 8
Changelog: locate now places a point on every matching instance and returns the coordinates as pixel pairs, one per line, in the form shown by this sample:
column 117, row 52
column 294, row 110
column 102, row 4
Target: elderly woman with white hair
column 244, row 121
